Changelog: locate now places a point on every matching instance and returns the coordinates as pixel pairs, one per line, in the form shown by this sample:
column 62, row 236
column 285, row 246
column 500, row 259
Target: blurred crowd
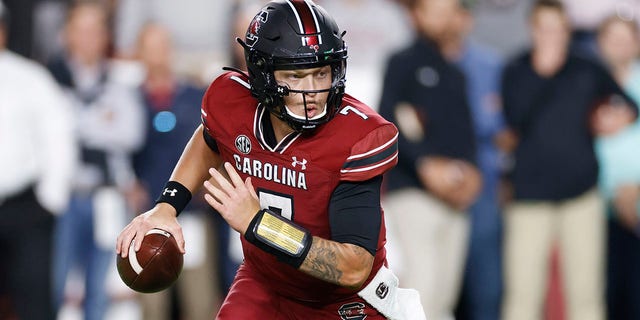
column 516, row 195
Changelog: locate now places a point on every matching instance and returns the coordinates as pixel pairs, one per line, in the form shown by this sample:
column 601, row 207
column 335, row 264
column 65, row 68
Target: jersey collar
column 263, row 131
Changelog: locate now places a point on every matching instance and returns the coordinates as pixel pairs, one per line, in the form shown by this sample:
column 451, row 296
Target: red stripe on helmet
column 309, row 26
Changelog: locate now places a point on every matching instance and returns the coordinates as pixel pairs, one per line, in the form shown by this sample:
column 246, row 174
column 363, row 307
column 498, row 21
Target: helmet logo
column 314, row 47
column 243, row 144
column 254, row 27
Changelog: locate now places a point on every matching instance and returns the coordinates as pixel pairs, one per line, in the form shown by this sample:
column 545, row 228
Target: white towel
column 394, row 303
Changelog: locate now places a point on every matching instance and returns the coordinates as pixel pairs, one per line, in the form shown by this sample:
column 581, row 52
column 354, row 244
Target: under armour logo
column 172, row 193
column 303, row 163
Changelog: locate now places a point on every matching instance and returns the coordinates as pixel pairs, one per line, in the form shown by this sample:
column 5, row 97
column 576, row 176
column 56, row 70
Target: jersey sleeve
column 205, row 113
column 372, row 155
column 223, row 92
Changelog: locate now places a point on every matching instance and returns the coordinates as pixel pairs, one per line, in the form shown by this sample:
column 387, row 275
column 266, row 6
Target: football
column 155, row 267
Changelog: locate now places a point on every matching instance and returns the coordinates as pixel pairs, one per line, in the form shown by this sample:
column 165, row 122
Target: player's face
column 313, row 104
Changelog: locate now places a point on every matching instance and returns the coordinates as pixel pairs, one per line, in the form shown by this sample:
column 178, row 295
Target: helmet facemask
column 331, row 104
column 276, row 45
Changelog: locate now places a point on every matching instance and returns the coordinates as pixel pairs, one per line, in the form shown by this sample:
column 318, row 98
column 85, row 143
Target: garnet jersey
column 297, row 177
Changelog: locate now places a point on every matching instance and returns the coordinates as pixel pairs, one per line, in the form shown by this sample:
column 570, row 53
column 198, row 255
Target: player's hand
column 235, row 200
column 162, row 216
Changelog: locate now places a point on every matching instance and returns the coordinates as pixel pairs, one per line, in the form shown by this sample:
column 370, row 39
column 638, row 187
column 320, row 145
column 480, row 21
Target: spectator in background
column 109, row 125
column 619, row 44
column 172, row 108
column 436, row 179
column 586, row 15
column 20, row 34
column 364, row 20
column 200, row 29
column 482, row 67
column 48, row 19
column 547, row 94
column 38, row 157
column 499, row 24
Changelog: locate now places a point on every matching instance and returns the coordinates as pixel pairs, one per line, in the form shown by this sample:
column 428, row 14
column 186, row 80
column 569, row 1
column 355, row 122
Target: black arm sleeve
column 355, row 215
column 211, row 142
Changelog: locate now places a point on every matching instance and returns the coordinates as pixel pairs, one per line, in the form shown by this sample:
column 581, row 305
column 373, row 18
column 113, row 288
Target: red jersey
column 297, row 177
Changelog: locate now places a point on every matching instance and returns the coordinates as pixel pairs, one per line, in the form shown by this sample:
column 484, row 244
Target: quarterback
column 294, row 165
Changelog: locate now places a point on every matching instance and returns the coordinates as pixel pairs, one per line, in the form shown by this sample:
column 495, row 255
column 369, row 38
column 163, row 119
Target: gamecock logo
column 254, row 27
column 352, row 311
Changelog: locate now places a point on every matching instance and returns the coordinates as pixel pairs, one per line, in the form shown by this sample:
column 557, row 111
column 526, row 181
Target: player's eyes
column 294, row 76
column 322, row 74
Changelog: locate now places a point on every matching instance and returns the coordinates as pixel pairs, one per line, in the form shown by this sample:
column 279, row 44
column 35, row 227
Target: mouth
column 311, row 109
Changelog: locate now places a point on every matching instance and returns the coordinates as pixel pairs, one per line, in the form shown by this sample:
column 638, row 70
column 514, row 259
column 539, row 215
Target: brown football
column 155, row 267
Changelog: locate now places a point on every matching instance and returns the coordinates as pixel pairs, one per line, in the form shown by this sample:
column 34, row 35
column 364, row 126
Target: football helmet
column 294, row 34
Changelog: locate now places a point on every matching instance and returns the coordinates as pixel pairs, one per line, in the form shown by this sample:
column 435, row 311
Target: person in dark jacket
column 436, row 179
column 548, row 94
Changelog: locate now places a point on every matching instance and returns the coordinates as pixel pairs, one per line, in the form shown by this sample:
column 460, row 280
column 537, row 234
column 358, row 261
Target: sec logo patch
column 243, row 144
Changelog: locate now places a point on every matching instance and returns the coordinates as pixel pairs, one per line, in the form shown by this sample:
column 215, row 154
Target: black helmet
column 294, row 34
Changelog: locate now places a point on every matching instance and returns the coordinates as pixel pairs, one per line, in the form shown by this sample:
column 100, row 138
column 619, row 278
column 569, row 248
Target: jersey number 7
column 276, row 202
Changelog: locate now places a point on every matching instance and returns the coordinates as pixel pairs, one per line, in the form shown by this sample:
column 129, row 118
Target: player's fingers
column 213, row 202
column 126, row 242
column 126, row 236
column 176, row 232
column 231, row 171
column 137, row 239
column 215, row 192
column 221, row 180
column 249, row 186
column 119, row 240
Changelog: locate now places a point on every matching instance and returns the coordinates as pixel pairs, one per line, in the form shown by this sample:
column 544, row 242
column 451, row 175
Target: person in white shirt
column 38, row 158
column 109, row 126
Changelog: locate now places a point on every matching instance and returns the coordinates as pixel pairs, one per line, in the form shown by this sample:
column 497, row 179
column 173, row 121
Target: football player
column 295, row 166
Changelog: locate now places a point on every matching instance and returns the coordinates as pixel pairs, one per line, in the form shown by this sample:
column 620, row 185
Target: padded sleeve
column 354, row 213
